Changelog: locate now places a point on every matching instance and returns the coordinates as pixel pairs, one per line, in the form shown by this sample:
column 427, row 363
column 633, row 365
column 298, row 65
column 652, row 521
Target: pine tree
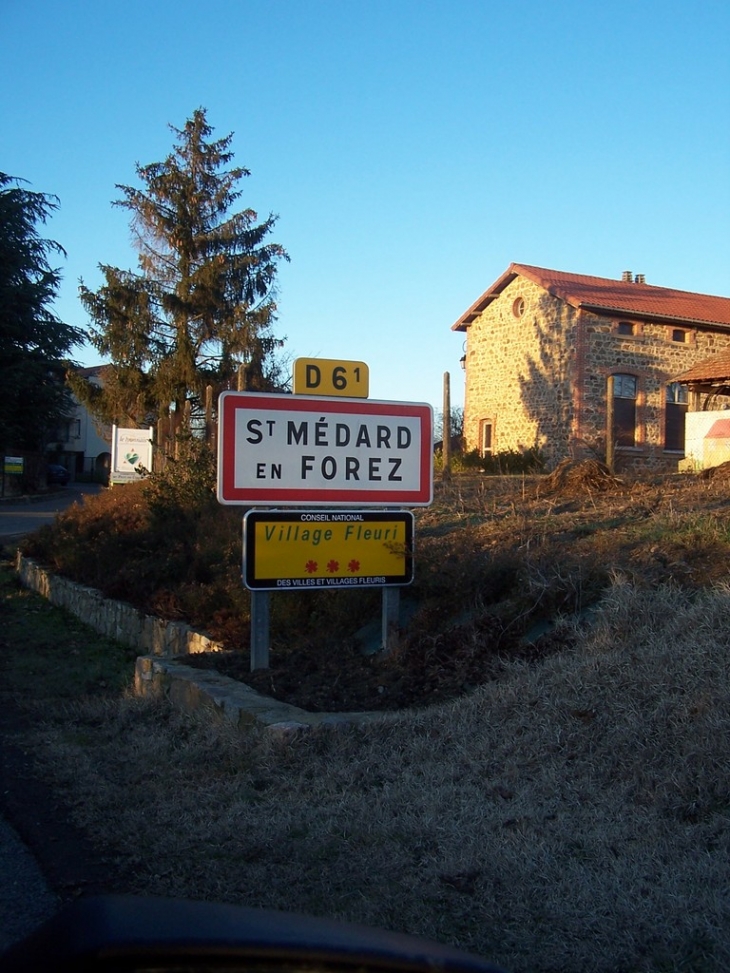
column 202, row 302
column 34, row 342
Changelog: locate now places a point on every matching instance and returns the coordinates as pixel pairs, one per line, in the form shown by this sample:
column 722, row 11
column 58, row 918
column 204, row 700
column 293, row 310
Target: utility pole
column 446, row 449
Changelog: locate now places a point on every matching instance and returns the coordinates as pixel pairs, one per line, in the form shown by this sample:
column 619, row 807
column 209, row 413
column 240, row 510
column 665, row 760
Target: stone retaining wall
column 156, row 672
column 122, row 622
column 235, row 702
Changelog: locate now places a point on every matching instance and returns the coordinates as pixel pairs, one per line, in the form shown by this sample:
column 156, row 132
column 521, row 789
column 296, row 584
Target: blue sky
column 412, row 150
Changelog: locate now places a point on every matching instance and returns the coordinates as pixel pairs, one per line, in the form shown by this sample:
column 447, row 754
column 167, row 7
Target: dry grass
column 573, row 816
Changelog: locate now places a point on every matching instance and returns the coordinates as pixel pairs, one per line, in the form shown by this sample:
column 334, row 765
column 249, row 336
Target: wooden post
column 259, row 630
column 159, row 453
column 446, row 471
column 610, row 431
column 209, row 438
column 241, row 378
column 175, row 419
column 182, row 425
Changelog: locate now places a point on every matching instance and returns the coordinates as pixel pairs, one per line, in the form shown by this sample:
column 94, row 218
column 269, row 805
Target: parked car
column 57, row 474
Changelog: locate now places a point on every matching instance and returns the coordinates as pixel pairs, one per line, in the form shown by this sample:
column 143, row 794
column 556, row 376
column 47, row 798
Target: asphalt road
column 26, row 898
column 21, row 517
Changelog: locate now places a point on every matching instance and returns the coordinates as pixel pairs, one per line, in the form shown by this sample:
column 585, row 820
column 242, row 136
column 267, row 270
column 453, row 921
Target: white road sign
column 295, row 450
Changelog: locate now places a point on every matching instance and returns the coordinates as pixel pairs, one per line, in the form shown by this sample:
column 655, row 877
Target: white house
column 82, row 446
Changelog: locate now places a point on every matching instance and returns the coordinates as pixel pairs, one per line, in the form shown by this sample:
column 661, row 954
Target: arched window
column 624, row 409
column 676, row 409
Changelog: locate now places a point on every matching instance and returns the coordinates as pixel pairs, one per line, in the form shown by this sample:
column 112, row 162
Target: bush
column 187, row 481
column 505, row 463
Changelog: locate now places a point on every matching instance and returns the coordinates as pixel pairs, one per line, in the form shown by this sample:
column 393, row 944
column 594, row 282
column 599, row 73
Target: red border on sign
column 231, row 402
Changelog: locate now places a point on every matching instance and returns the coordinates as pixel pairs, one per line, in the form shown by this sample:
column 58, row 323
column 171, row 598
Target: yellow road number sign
column 305, row 550
column 326, row 376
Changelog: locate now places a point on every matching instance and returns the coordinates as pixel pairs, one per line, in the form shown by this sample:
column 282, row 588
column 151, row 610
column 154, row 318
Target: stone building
column 580, row 366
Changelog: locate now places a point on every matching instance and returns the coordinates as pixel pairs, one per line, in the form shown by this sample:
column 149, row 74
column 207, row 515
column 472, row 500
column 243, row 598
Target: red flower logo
column 311, row 567
column 333, row 566
column 353, row 566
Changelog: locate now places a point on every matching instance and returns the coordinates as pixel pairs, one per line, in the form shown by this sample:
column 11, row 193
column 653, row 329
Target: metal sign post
column 390, row 617
column 316, row 550
column 327, row 446
column 260, row 630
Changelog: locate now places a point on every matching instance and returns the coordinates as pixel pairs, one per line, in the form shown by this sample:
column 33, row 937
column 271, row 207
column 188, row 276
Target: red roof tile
column 615, row 297
column 714, row 369
column 720, row 429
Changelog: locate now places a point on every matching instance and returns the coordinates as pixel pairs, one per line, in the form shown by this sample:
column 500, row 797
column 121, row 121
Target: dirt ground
column 323, row 679
column 564, row 536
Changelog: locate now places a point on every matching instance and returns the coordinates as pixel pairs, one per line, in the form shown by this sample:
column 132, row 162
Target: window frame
column 676, row 405
column 486, row 426
column 625, row 416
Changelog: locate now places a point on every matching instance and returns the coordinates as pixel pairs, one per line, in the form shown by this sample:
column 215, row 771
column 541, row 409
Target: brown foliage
column 571, row 478
column 498, row 560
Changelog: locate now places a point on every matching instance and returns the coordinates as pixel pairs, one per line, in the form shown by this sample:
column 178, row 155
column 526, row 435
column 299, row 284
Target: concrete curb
column 191, row 689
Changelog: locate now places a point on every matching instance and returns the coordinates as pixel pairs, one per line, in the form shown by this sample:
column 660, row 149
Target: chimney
column 627, row 277
column 640, row 279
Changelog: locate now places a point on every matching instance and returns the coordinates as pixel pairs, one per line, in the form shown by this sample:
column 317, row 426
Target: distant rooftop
column 629, row 296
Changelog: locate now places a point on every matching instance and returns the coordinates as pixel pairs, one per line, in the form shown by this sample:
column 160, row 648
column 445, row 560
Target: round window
column 518, row 308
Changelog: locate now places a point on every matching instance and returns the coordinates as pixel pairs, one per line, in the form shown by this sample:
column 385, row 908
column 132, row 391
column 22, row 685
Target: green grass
column 48, row 653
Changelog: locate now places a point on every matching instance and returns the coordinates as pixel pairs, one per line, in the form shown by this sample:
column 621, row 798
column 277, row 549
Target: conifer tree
column 202, row 300
column 34, row 342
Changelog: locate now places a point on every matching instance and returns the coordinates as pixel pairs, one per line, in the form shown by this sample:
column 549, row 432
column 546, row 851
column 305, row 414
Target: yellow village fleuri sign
column 305, row 550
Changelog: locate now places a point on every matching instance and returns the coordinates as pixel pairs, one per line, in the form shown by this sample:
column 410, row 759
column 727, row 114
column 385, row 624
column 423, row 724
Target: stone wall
column 158, row 674
column 653, row 356
column 128, row 625
column 520, row 369
column 537, row 371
